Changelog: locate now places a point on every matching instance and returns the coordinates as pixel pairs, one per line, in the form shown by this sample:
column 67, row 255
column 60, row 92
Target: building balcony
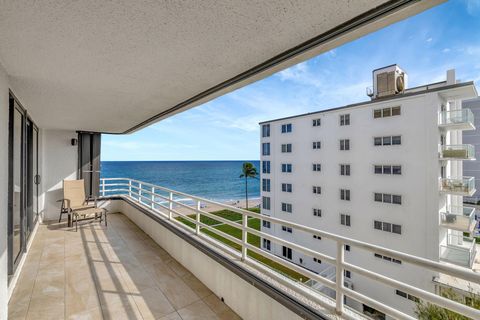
column 459, row 250
column 457, row 152
column 462, row 119
column 458, row 186
column 165, row 256
column 458, row 218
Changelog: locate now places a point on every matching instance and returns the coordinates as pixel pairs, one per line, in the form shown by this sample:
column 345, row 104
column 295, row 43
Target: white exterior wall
column 418, row 185
column 3, row 191
column 59, row 162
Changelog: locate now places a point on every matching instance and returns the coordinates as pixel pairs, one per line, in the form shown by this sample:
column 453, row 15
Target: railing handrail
column 340, row 240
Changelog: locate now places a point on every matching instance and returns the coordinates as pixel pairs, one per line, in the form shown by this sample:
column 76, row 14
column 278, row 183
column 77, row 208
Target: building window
column 387, row 169
column 347, row 274
column 266, row 203
column 287, row 229
column 266, row 185
column 387, row 258
column 387, row 198
column 286, row 187
column 344, row 119
column 286, row 167
column 286, row 128
column 287, row 207
column 266, row 149
column 287, row 252
column 317, row 167
column 396, row 228
column 316, row 122
column 317, row 237
column 317, row 212
column 344, row 169
column 387, row 140
column 345, row 220
column 265, row 166
column 317, row 145
column 266, row 224
column 317, row 260
column 347, row 247
column 386, row 112
column 407, row 296
column 345, row 144
column 265, row 130
column 286, row 147
column 317, row 190
column 387, row 227
column 345, row 194
column 267, row 244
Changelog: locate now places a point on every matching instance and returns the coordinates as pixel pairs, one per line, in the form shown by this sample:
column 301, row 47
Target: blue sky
column 425, row 46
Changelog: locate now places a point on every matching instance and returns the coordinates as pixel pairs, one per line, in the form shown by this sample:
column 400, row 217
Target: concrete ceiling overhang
column 118, row 66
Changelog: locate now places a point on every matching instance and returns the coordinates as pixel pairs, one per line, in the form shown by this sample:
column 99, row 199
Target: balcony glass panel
column 460, row 186
column 458, row 152
column 459, row 218
column 459, row 119
column 459, row 250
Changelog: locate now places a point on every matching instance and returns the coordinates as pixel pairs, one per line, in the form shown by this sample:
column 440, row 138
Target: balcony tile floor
column 117, row 272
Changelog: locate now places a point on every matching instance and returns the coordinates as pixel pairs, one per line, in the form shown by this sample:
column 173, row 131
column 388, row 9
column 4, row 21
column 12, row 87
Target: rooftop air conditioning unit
column 388, row 81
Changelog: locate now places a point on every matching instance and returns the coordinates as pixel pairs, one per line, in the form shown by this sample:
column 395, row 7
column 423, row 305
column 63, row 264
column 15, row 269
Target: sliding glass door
column 23, row 182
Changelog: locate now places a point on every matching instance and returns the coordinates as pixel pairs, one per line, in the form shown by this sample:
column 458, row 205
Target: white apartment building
column 386, row 171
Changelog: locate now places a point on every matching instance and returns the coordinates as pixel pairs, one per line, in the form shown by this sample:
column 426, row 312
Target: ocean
column 215, row 180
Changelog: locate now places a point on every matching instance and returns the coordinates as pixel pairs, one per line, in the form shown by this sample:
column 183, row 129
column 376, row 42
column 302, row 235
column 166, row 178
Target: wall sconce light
column 74, row 142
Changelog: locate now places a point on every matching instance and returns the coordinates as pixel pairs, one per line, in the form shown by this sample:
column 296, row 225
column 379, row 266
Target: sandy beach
column 208, row 207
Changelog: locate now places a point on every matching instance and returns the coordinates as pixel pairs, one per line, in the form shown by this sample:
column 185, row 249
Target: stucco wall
column 3, row 190
column 59, row 162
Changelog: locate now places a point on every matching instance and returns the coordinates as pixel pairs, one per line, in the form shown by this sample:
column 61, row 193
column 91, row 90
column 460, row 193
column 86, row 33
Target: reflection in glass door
column 23, row 182
column 15, row 201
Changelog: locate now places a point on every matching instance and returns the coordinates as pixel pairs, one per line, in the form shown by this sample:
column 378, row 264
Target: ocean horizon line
column 176, row 160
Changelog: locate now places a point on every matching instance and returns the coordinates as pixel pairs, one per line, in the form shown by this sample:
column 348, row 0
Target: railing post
column 170, row 205
column 339, row 278
column 197, row 226
column 244, row 236
column 103, row 187
column 140, row 192
column 129, row 188
column 153, row 198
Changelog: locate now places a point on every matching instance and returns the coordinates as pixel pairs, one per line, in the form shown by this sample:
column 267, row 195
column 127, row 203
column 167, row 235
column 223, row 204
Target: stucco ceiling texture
column 109, row 65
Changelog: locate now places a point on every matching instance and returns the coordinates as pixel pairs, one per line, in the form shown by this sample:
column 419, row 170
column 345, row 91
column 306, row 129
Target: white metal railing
column 155, row 197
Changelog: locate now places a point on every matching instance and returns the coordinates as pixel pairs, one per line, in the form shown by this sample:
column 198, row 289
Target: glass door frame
column 26, row 163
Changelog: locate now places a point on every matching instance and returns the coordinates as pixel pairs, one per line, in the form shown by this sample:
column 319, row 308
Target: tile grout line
column 36, row 275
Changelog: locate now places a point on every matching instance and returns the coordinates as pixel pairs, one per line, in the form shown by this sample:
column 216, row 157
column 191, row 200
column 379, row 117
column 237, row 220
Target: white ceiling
column 110, row 65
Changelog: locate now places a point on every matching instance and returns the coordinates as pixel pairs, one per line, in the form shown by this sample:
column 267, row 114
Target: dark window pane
column 396, row 140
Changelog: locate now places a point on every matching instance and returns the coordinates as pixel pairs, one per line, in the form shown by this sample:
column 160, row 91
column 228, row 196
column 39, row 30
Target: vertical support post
column 197, row 226
column 244, row 236
column 153, row 198
column 103, row 187
column 170, row 206
column 129, row 188
column 140, row 192
column 339, row 278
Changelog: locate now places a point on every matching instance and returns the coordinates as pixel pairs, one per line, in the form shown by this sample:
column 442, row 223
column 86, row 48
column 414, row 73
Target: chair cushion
column 88, row 212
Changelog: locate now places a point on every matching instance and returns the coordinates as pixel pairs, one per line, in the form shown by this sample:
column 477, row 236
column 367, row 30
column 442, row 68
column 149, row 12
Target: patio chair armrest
column 65, row 203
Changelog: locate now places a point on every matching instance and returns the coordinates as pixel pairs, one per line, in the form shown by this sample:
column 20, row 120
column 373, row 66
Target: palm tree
column 248, row 171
